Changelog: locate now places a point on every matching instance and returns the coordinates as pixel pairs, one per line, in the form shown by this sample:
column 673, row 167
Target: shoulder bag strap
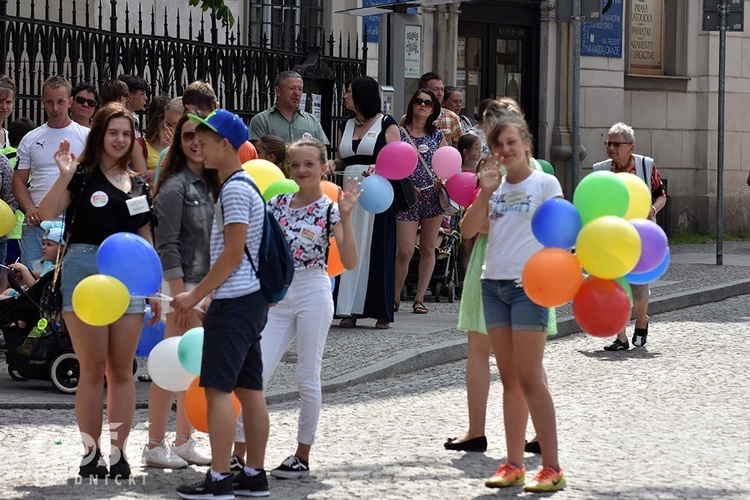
column 328, row 229
column 67, row 230
column 421, row 158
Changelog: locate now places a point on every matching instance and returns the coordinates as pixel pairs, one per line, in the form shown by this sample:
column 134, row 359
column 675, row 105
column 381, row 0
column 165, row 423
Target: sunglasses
column 82, row 100
column 188, row 136
column 616, row 144
column 427, row 102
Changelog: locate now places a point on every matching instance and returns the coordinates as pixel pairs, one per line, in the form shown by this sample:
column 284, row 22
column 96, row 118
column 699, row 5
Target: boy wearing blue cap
column 235, row 317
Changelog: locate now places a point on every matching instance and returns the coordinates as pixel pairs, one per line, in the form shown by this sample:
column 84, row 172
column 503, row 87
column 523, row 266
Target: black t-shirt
column 100, row 209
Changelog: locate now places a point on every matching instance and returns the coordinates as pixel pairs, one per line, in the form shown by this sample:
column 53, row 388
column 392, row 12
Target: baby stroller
column 443, row 279
column 50, row 357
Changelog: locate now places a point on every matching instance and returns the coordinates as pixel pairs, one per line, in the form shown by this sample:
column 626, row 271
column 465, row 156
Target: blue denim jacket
column 185, row 211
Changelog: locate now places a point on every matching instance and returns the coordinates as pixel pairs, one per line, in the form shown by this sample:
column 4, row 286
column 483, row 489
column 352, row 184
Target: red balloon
column 461, row 187
column 601, row 307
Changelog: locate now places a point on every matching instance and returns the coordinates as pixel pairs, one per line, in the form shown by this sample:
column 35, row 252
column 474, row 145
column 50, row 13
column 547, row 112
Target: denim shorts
column 506, row 304
column 231, row 343
column 80, row 263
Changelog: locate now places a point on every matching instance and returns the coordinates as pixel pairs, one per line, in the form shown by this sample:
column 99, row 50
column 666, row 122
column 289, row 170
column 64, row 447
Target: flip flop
column 419, row 308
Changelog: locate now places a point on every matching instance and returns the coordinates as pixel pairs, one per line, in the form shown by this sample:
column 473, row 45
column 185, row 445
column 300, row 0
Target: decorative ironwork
column 77, row 40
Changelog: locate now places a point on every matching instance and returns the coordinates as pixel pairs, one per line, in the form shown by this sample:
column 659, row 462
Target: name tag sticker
column 309, row 232
column 137, row 205
column 515, row 197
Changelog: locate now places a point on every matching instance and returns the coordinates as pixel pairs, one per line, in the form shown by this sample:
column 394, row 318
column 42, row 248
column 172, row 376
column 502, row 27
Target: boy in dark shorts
column 235, row 317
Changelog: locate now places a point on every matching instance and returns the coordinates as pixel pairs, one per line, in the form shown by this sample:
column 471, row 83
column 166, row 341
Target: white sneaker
column 163, row 457
column 187, row 452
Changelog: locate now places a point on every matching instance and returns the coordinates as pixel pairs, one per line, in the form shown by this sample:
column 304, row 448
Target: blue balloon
column 132, row 260
column 150, row 335
column 556, row 223
column 377, row 194
column 650, row 276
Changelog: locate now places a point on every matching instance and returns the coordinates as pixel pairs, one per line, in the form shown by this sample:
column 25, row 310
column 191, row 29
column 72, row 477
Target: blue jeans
column 506, row 304
column 31, row 247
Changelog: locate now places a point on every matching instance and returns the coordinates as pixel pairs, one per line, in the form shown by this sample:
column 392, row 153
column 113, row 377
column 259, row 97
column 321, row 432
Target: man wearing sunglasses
column 84, row 104
column 620, row 145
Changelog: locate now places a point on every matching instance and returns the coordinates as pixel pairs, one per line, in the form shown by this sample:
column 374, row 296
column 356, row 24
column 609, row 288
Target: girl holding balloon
column 102, row 197
column 420, row 130
column 516, row 326
column 184, row 206
column 308, row 218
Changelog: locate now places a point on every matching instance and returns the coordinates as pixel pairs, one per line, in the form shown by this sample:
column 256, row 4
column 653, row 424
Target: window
column 279, row 24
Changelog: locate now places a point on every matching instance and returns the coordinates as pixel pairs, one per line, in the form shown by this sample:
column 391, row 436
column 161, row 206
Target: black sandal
column 639, row 336
column 617, row 345
column 419, row 308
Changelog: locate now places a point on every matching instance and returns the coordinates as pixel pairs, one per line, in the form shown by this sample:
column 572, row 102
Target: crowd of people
column 180, row 184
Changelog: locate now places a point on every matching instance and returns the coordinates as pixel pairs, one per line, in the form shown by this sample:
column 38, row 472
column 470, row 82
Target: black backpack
column 275, row 269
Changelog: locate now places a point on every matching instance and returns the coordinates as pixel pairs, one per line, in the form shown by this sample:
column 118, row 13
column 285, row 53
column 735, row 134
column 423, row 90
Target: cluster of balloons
column 615, row 244
column 128, row 265
column 269, row 178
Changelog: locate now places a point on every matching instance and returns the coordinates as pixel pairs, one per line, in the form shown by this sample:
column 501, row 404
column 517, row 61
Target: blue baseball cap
column 226, row 124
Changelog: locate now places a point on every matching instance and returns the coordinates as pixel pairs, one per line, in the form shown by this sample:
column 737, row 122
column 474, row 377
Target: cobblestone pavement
column 667, row 421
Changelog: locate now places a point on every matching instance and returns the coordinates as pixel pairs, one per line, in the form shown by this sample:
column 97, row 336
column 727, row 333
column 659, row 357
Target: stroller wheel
column 64, row 372
column 451, row 292
column 15, row 375
column 437, row 291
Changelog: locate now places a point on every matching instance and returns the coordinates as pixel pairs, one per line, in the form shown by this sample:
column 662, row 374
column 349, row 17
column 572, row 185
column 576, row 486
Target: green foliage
column 693, row 238
column 221, row 11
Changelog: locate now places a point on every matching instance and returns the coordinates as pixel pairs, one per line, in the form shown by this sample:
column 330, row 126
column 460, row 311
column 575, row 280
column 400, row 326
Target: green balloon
column 626, row 286
column 546, row 166
column 601, row 193
column 282, row 186
column 190, row 350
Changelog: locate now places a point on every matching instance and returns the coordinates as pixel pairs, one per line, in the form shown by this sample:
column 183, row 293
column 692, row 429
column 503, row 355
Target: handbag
column 448, row 204
column 404, row 194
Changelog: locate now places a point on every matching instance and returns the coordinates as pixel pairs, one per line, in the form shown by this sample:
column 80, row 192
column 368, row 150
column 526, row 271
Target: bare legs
column 406, row 236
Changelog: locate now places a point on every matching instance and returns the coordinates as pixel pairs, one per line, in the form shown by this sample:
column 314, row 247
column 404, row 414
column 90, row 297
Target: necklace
column 359, row 123
column 118, row 180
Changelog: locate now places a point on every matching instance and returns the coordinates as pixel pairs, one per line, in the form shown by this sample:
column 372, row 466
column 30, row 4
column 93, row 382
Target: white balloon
column 165, row 368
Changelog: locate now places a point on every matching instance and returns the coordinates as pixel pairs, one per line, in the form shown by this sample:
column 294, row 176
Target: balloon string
column 164, row 298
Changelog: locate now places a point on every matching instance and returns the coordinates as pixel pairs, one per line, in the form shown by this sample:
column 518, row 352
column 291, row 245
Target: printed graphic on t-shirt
column 305, row 228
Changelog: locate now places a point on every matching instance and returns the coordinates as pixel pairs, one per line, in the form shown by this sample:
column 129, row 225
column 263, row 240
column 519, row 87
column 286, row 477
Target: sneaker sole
column 518, row 482
column 282, row 474
column 188, row 496
column 248, row 493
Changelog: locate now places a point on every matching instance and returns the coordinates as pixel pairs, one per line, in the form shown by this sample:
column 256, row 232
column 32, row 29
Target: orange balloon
column 196, row 407
column 330, row 189
column 552, row 277
column 248, row 152
column 335, row 267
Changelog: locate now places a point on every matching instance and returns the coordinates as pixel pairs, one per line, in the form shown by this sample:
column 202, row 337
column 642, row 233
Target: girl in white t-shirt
column 309, row 219
column 516, row 326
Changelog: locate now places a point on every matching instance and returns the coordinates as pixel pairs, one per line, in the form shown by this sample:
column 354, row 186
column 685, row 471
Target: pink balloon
column 396, row 160
column 461, row 187
column 446, row 162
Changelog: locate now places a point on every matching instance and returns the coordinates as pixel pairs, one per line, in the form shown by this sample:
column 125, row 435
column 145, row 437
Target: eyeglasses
column 427, row 102
column 188, row 136
column 82, row 100
column 615, row 144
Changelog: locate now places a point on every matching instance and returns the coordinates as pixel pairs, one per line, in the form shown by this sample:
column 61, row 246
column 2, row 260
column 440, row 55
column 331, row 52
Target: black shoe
column 476, row 444
column 532, row 447
column 119, row 469
column 93, row 465
column 208, row 488
column 293, row 467
column 236, row 464
column 251, row 486
column 639, row 337
column 617, row 345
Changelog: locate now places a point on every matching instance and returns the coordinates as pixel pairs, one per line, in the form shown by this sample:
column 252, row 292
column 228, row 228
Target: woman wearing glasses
column 184, row 207
column 85, row 102
column 620, row 145
column 419, row 129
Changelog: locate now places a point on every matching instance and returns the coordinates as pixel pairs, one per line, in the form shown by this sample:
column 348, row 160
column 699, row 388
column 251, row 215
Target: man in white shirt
column 36, row 161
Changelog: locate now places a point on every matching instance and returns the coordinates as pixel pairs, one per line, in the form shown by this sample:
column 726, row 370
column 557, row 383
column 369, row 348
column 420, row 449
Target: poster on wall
column 412, row 51
column 604, row 38
column 645, row 37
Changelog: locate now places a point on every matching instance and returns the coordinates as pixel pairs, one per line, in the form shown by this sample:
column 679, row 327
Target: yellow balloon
column 263, row 172
column 608, row 247
column 100, row 300
column 7, row 219
column 639, row 206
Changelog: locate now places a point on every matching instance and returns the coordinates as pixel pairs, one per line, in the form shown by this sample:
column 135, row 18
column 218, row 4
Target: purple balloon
column 653, row 245
column 396, row 160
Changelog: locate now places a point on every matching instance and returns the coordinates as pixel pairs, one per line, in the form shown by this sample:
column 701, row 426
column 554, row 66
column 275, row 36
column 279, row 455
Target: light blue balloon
column 377, row 194
column 650, row 276
column 190, row 350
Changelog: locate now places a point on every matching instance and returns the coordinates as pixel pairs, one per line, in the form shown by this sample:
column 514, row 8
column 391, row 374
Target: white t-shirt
column 37, row 153
column 241, row 204
column 511, row 208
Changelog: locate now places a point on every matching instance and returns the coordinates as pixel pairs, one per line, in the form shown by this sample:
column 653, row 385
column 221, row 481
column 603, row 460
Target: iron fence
column 84, row 40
